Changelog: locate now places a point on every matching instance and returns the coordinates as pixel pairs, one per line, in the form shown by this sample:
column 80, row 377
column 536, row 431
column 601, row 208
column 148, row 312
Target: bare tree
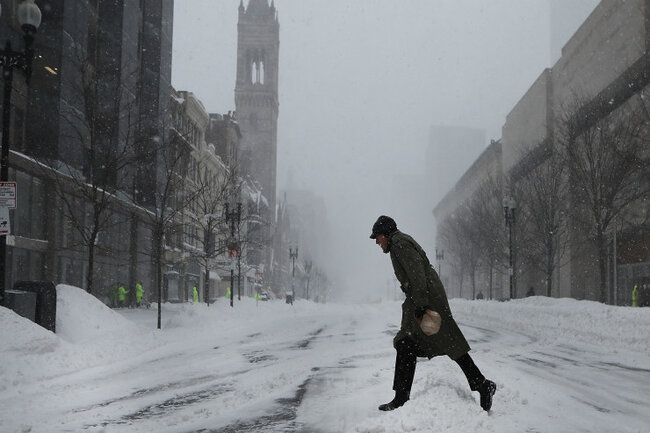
column 606, row 153
column 207, row 195
column 543, row 199
column 487, row 221
column 253, row 231
column 457, row 233
column 166, row 215
column 473, row 234
column 100, row 123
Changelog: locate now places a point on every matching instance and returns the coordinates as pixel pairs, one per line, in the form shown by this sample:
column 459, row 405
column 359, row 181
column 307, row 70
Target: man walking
column 424, row 291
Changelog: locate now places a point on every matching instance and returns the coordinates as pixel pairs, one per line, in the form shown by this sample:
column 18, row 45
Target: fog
column 361, row 85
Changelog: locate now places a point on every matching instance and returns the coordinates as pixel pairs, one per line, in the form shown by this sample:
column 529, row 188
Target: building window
column 28, row 219
column 26, row 264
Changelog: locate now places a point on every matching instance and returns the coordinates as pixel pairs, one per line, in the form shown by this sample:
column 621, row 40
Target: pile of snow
column 18, row 334
column 80, row 317
column 558, row 320
column 88, row 333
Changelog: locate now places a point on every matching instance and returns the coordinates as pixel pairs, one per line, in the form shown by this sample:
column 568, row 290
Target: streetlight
column 440, row 255
column 29, row 17
column 509, row 206
column 293, row 255
column 233, row 218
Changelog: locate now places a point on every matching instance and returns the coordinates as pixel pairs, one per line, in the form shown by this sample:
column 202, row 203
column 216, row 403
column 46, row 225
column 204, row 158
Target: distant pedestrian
column 121, row 295
column 195, row 294
column 425, row 294
column 480, row 295
column 139, row 292
column 531, row 291
column 112, row 296
column 635, row 296
column 228, row 293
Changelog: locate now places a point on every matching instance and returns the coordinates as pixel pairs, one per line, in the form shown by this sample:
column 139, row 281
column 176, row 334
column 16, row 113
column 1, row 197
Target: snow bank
column 81, row 317
column 88, row 333
column 556, row 320
column 18, row 334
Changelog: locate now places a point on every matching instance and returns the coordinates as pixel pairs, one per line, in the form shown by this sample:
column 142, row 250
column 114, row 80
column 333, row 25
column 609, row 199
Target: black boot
column 476, row 380
column 404, row 371
column 398, row 401
column 487, row 390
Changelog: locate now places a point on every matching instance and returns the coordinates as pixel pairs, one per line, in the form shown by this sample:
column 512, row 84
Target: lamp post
column 509, row 206
column 233, row 218
column 440, row 255
column 293, row 255
column 29, row 17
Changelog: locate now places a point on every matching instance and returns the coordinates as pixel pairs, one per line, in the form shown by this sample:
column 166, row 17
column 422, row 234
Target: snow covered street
column 560, row 366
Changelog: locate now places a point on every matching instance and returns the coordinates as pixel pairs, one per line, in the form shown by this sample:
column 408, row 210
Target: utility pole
column 29, row 17
column 293, row 255
column 239, row 274
column 233, row 218
column 509, row 206
column 208, row 248
column 615, row 266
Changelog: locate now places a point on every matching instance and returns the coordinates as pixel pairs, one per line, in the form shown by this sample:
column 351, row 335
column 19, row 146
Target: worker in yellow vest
column 121, row 295
column 228, row 294
column 635, row 296
column 195, row 294
column 139, row 292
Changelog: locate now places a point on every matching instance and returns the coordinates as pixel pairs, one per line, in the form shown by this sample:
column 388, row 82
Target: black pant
column 405, row 368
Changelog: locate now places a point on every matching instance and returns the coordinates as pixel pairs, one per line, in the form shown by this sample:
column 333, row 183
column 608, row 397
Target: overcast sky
column 362, row 82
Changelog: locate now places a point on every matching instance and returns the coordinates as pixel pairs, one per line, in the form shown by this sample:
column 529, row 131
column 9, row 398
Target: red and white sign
column 8, row 195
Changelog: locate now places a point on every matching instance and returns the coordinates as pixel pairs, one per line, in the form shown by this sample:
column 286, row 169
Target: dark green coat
column 423, row 289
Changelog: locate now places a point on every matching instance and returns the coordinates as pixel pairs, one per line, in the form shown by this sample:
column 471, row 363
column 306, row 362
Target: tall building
column 115, row 54
column 256, row 93
column 451, row 151
column 565, row 18
column 101, row 81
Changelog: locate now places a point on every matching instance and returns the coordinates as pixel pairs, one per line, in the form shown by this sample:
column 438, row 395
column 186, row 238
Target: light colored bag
column 431, row 322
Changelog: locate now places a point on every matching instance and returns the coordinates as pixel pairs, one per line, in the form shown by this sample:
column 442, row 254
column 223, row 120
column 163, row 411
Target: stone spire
column 260, row 7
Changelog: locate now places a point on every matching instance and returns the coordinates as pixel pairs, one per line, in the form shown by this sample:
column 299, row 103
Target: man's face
column 382, row 241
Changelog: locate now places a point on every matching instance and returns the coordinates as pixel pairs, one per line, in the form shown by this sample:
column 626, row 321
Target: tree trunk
column 158, row 261
column 602, row 258
column 91, row 265
column 473, row 276
column 549, row 272
column 206, row 284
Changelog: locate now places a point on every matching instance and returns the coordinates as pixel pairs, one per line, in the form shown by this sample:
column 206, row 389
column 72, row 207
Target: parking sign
column 8, row 195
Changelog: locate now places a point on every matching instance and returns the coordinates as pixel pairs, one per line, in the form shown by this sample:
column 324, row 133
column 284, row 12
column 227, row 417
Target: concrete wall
column 488, row 165
column 608, row 42
column 527, row 124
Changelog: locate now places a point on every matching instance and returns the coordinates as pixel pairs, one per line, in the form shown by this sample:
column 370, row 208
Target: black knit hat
column 384, row 225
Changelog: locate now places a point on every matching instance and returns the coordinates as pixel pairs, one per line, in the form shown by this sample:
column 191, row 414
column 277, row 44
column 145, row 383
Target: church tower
column 256, row 93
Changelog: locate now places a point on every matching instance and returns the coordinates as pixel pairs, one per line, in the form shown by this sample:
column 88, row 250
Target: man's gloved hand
column 419, row 313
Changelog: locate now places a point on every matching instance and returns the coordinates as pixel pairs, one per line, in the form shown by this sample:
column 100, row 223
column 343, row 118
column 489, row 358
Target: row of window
column 187, row 128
